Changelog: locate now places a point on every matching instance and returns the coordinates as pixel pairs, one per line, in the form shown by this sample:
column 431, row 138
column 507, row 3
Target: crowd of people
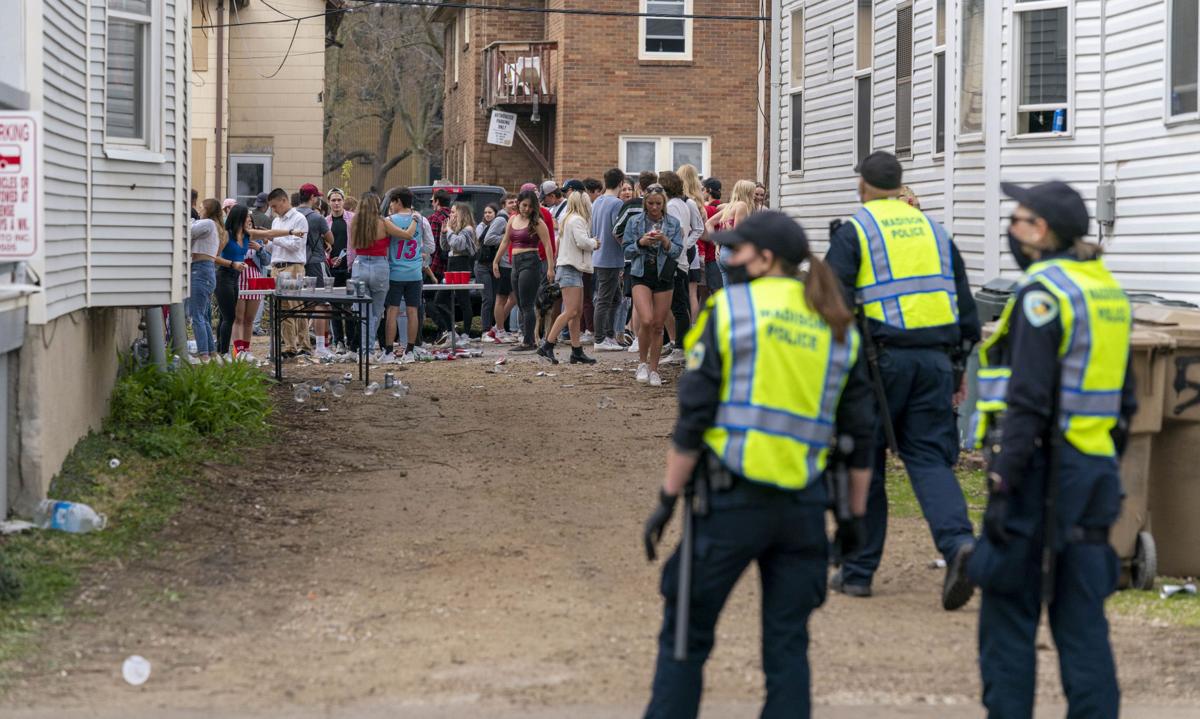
column 619, row 264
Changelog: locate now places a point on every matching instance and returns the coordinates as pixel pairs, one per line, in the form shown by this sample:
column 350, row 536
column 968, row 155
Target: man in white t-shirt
column 288, row 254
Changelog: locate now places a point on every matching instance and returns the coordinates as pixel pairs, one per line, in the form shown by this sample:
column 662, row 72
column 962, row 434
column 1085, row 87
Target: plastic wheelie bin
column 990, row 301
column 1175, row 453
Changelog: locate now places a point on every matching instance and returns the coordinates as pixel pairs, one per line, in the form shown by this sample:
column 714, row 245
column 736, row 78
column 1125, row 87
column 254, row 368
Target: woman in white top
column 208, row 236
column 575, row 248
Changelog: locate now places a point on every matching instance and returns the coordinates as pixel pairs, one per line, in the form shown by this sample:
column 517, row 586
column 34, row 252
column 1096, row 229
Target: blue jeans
column 723, row 255
column 373, row 271
column 784, row 533
column 920, row 385
column 199, row 305
column 1086, row 572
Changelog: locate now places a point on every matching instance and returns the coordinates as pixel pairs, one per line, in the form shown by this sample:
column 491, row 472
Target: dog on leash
column 548, row 295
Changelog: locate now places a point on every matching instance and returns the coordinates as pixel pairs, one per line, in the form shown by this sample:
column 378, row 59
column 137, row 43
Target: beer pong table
column 321, row 304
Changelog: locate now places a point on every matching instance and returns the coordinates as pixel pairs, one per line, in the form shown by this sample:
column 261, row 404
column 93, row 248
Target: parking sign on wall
column 20, row 150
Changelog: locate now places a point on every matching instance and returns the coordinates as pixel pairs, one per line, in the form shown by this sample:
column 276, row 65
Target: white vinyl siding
column 129, row 255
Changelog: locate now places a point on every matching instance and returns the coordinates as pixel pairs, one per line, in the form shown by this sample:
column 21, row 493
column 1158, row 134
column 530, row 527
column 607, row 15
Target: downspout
column 87, row 160
column 776, row 140
column 760, row 145
column 220, row 97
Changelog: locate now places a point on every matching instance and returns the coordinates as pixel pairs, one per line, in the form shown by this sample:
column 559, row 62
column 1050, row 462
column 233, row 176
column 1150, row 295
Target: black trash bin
column 990, row 301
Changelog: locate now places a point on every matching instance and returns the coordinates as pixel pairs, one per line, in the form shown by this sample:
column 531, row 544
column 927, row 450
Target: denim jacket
column 656, row 257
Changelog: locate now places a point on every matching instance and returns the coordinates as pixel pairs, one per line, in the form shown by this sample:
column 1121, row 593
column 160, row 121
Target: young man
column 405, row 264
column 608, row 261
column 288, row 254
column 439, row 308
column 320, row 239
column 594, row 188
column 553, row 200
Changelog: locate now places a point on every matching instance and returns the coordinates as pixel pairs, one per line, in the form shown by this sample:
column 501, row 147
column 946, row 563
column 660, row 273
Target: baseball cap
column 574, row 186
column 881, row 169
column 260, row 200
column 311, row 190
column 549, row 187
column 529, row 187
column 1055, row 202
column 228, row 202
column 769, row 230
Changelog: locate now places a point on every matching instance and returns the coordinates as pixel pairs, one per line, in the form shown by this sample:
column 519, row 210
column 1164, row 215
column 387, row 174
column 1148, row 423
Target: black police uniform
column 783, row 531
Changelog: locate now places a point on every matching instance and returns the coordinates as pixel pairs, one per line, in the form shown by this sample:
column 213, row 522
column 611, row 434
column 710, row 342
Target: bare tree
column 389, row 68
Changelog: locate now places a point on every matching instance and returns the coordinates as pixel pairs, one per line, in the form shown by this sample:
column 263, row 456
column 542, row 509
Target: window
column 1183, row 66
column 1041, row 47
column 128, row 85
column 904, row 46
column 661, row 153
column 970, row 86
column 864, row 32
column 939, row 78
column 248, row 176
column 13, row 84
column 668, row 34
column 466, row 23
column 796, row 100
column 452, row 50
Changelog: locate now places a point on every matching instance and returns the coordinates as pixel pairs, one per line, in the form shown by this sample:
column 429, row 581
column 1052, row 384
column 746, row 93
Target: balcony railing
column 520, row 73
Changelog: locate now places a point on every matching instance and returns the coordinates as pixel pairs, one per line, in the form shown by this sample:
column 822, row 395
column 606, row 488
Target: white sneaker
column 608, row 345
column 633, row 348
column 387, row 358
column 442, row 341
column 587, row 338
column 674, row 357
column 407, row 358
column 490, row 337
column 323, row 353
column 463, row 342
column 655, row 380
column 246, row 356
column 643, row 373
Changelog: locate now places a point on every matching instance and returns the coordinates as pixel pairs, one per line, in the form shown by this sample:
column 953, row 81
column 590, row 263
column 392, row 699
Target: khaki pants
column 294, row 331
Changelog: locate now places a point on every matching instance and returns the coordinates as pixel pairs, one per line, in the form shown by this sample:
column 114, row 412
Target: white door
column 248, row 176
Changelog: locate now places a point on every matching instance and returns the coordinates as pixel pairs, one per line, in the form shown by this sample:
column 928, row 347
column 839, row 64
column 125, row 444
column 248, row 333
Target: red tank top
column 378, row 248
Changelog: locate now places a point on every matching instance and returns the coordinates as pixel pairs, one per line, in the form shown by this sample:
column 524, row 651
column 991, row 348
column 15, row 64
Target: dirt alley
column 474, row 550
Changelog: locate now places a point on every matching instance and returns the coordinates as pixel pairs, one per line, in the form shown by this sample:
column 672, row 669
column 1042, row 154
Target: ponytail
column 823, row 293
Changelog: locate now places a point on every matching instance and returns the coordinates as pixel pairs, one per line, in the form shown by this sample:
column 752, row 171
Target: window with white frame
column 249, row 175
column 130, row 91
column 452, row 50
column 1042, row 60
column 466, row 28
column 1183, row 65
column 13, row 83
column 641, row 153
column 665, row 34
column 904, row 72
column 939, row 78
column 796, row 98
column 970, row 78
column 864, row 54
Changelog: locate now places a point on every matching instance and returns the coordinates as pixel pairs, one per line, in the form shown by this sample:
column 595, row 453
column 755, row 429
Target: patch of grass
column 1181, row 610
column 902, row 501
column 161, row 425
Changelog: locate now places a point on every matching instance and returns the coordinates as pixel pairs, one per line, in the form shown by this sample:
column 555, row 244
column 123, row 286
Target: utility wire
column 502, row 8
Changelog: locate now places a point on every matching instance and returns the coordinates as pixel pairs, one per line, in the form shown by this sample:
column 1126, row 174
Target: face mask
column 1018, row 252
column 737, row 274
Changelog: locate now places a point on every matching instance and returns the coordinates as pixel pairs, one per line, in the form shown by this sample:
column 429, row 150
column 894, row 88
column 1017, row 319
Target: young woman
column 462, row 244
column 371, row 238
column 525, row 233
column 694, row 192
column 341, row 258
column 237, row 265
column 760, row 197
column 505, row 300
column 652, row 243
column 739, row 207
column 575, row 248
column 208, row 236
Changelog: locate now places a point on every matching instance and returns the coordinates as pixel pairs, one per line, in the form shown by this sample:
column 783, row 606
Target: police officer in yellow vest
column 772, row 366
column 1056, row 395
column 901, row 267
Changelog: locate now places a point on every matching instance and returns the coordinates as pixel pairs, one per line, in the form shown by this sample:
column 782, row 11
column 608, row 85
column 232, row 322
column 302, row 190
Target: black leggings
column 681, row 307
column 227, row 299
column 527, row 274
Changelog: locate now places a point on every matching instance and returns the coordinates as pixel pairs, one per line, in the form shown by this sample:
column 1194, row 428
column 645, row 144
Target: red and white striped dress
column 252, row 273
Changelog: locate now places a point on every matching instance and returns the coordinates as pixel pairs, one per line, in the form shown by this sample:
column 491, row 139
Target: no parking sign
column 20, row 155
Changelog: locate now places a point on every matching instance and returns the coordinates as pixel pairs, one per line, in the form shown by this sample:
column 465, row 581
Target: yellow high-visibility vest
column 1093, row 355
column 782, row 376
column 905, row 276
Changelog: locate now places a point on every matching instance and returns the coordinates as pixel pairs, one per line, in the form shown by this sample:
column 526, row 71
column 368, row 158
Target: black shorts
column 408, row 292
column 627, row 284
column 695, row 275
column 656, row 283
column 504, row 282
column 315, row 271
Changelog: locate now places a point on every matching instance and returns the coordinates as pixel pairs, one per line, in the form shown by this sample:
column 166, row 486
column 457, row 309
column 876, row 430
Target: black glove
column 1120, row 436
column 995, row 517
column 851, row 536
column 657, row 522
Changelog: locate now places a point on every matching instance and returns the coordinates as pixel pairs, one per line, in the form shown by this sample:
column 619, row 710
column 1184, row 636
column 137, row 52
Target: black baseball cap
column 769, row 230
column 1055, row 202
column 260, row 200
column 881, row 169
column 574, row 185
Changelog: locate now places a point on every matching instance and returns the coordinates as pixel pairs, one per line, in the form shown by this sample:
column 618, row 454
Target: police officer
column 904, row 272
column 772, row 366
column 1056, row 395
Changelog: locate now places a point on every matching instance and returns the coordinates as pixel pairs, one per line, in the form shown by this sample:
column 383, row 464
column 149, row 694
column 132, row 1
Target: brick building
column 594, row 91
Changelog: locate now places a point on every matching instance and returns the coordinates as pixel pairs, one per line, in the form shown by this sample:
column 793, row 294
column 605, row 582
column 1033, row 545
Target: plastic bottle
column 337, row 389
column 68, row 517
column 302, row 392
column 371, row 389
